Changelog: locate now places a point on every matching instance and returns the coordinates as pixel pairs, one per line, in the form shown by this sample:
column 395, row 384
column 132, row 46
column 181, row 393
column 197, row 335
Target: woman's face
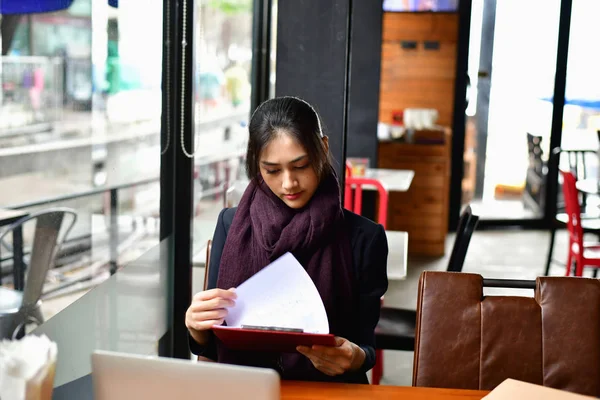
column 287, row 171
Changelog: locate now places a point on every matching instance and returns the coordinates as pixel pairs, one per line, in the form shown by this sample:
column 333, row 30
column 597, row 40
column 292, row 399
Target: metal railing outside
column 219, row 190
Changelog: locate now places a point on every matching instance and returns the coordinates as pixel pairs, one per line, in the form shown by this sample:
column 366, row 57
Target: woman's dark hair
column 292, row 116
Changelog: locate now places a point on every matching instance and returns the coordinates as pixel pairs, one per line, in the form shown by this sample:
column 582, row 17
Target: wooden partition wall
column 418, row 77
column 418, row 67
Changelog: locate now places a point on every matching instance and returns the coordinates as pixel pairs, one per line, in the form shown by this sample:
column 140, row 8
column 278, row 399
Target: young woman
column 293, row 204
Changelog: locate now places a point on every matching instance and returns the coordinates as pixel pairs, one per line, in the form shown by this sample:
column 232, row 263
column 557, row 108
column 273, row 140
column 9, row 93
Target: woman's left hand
column 335, row 360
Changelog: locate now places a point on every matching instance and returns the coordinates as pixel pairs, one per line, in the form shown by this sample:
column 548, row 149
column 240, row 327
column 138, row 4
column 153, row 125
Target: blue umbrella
column 8, row 7
column 581, row 102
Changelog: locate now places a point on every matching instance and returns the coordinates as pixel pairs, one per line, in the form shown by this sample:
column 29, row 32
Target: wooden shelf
column 422, row 211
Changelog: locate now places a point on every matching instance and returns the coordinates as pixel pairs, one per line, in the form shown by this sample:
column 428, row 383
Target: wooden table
column 8, row 217
column 333, row 391
column 82, row 388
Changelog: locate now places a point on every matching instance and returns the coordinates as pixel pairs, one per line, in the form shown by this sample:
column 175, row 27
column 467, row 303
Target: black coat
column 369, row 253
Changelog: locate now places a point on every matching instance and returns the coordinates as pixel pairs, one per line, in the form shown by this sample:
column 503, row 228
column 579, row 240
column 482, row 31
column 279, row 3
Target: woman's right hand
column 208, row 308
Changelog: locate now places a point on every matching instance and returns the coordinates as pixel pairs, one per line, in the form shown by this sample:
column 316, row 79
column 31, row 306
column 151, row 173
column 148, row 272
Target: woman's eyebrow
column 298, row 159
column 272, row 164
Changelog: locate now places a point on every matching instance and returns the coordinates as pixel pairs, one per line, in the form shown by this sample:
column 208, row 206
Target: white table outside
column 588, row 186
column 579, row 140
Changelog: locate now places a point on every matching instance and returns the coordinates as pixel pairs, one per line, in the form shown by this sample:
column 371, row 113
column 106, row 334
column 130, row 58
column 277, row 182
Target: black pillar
column 459, row 117
column 560, row 84
column 261, row 52
column 312, row 62
column 483, row 90
column 177, row 165
column 184, row 183
column 364, row 78
column 167, row 156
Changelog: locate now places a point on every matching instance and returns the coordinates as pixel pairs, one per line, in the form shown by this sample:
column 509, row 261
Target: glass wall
column 127, row 313
column 223, row 47
column 582, row 96
column 512, row 69
column 80, row 109
column 581, row 115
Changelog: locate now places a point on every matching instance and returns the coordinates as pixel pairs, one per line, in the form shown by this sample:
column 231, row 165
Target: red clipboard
column 269, row 341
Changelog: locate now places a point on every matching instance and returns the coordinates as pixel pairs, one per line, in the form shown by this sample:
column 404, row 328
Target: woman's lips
column 294, row 196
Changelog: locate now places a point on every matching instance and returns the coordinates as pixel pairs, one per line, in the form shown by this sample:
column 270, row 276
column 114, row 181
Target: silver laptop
column 119, row 376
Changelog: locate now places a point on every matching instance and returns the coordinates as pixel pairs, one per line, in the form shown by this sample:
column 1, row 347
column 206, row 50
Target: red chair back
column 348, row 169
column 353, row 196
column 353, row 201
column 573, row 209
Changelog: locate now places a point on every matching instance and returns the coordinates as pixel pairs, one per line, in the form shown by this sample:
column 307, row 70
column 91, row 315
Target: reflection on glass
column 127, row 313
column 80, row 106
column 222, row 99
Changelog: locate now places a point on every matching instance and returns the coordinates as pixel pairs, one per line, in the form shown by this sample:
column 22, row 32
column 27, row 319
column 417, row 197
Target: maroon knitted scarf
column 263, row 229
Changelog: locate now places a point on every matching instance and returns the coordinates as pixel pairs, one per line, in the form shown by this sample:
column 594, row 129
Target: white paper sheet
column 512, row 389
column 283, row 295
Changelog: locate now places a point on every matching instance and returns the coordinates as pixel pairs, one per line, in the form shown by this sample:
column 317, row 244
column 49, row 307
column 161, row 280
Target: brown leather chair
column 396, row 327
column 207, row 264
column 206, row 268
column 470, row 341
